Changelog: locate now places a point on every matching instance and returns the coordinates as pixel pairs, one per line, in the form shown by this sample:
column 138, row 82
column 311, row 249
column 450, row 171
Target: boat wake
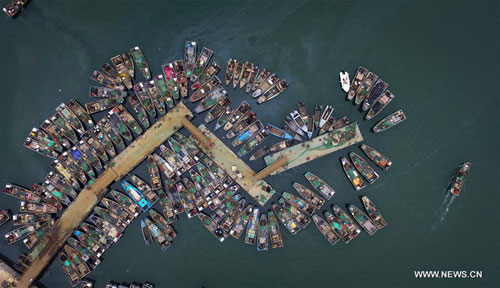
column 443, row 210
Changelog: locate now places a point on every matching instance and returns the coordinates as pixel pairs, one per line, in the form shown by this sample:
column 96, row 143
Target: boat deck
column 226, row 159
column 317, row 147
column 121, row 165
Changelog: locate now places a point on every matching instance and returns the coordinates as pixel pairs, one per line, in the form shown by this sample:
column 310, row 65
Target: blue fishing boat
column 273, row 130
column 137, row 196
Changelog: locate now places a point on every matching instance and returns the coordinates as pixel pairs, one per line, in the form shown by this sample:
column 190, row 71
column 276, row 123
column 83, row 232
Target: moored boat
column 338, row 227
column 376, row 91
column 154, row 93
column 364, row 221
column 268, row 84
column 157, row 234
column 264, row 73
column 136, row 195
column 273, row 130
column 309, row 195
column 223, row 118
column 365, row 87
column 29, row 219
column 325, row 229
column 352, row 174
column 103, row 104
column 251, row 78
column 163, row 225
column 122, row 70
column 299, row 203
column 180, row 73
column 105, row 80
column 71, row 117
column 20, row 233
column 253, row 223
column 327, row 113
column 126, row 203
column 363, row 167
column 70, row 269
column 346, row 221
column 230, row 70
column 190, row 50
column 81, row 113
column 128, row 61
column 4, row 217
column 263, row 234
column 285, row 219
column 389, row 121
column 317, row 115
column 64, row 128
column 274, row 230
column 356, row 81
column 247, row 69
column 205, row 89
column 154, row 173
column 324, row 189
column 54, row 133
column 210, row 72
column 128, row 119
column 211, row 99
column 105, row 92
column 141, row 62
column 213, row 227
column 201, row 63
column 242, row 109
column 252, row 142
column 379, row 104
column 377, row 158
column 21, row 193
column 459, row 179
column 139, row 110
column 31, row 240
column 274, row 91
column 238, row 70
column 295, row 213
column 299, row 121
column 165, row 93
column 373, row 212
column 144, row 98
column 344, row 80
column 241, row 222
column 310, row 127
column 294, row 127
column 108, row 229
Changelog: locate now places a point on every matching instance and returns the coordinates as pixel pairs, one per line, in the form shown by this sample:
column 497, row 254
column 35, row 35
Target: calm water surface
column 440, row 58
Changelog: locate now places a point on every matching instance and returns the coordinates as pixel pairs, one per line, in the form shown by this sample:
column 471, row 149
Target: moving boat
column 190, row 50
column 274, row 231
column 377, row 158
column 299, row 203
column 294, row 212
column 352, row 174
column 213, row 227
column 365, row 87
column 268, row 84
column 122, row 70
column 4, row 217
column 273, row 130
column 327, row 113
column 379, row 104
column 274, row 91
column 136, row 195
column 373, row 212
column 325, row 229
column 238, row 70
column 356, row 82
column 210, row 72
column 344, row 80
column 324, row 189
column 263, row 234
column 103, row 104
column 248, row 68
column 346, row 221
column 201, row 63
column 389, row 121
column 253, row 223
column 21, row 193
column 141, row 62
column 459, row 179
column 376, row 91
column 363, row 167
column 262, row 76
column 231, row 63
column 251, row 78
column 364, row 221
column 309, row 195
column 285, row 219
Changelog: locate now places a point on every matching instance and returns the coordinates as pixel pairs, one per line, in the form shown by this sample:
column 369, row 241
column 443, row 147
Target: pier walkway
column 120, row 166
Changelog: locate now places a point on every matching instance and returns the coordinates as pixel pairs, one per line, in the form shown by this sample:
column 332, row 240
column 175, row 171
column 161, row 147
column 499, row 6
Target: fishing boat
column 120, row 222
column 74, row 167
column 242, row 109
column 373, row 212
column 317, row 115
column 233, row 213
column 71, row 117
column 364, row 221
column 70, row 269
column 192, row 149
column 20, row 233
column 379, row 104
column 110, row 230
column 344, row 80
column 154, row 94
column 99, row 139
column 88, row 157
column 157, row 234
column 141, row 62
column 127, row 118
column 154, row 173
column 180, row 74
column 183, row 156
column 248, row 68
column 299, row 121
column 299, row 203
column 111, row 72
column 353, row 176
column 64, row 128
column 338, row 227
column 346, row 221
column 274, row 231
column 124, row 214
column 126, row 203
column 68, row 184
column 201, row 63
column 163, row 225
column 187, row 200
column 375, row 93
column 213, row 227
column 253, row 224
column 263, row 234
column 103, row 104
column 139, row 110
column 224, row 117
column 267, row 84
column 389, row 121
column 292, row 133
column 211, row 99
column 122, row 70
column 105, row 92
column 74, row 257
column 295, row 213
column 240, row 126
column 105, row 80
column 273, row 130
column 326, row 229
column 285, row 219
column 210, row 72
column 4, row 217
column 58, row 187
column 29, row 219
column 21, row 193
column 294, row 127
column 144, row 188
column 31, row 240
column 40, row 148
column 251, row 78
column 459, row 179
column 241, row 221
column 46, row 196
column 108, row 129
column 272, row 148
column 231, row 63
column 365, row 87
column 205, row 89
column 274, row 91
column 119, row 125
column 14, row 7
column 238, row 70
column 128, row 61
column 81, row 113
column 52, row 130
column 199, row 201
column 356, row 82
column 324, row 189
column 136, row 195
column 376, row 157
column 190, row 50
column 327, row 113
column 264, row 73
column 167, row 206
column 144, row 98
column 363, row 167
column 310, row 126
column 165, row 93
column 309, row 195
column 252, row 142
column 95, row 234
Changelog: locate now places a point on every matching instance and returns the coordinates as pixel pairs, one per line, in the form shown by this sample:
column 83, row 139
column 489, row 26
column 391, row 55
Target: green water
column 440, row 59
